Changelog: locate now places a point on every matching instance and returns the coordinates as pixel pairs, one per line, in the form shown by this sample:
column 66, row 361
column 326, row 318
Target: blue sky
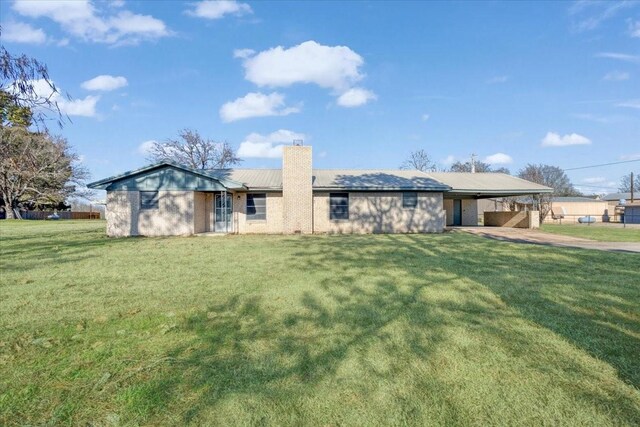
column 364, row 83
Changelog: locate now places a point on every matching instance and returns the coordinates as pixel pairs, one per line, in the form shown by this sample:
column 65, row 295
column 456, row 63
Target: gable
column 161, row 178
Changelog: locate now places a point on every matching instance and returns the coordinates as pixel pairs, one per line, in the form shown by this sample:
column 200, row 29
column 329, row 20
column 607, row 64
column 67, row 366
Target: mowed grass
column 448, row 329
column 603, row 233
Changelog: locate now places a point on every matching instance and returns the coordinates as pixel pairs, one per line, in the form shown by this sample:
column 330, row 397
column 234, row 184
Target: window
column 409, row 199
column 338, row 205
column 257, row 206
column 149, row 200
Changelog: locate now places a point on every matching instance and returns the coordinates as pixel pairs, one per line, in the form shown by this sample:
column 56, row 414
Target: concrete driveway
column 537, row 237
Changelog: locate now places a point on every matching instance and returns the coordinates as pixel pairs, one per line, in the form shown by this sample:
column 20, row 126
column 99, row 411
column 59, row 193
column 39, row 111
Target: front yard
column 601, row 232
column 313, row 330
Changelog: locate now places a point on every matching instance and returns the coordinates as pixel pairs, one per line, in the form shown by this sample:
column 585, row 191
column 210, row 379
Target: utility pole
column 473, row 162
column 631, row 187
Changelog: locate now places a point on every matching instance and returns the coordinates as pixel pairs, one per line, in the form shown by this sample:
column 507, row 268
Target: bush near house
column 448, row 329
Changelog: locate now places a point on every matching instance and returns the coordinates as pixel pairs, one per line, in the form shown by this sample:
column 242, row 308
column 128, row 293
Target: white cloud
column 85, row 107
column 332, row 67
column 256, row 104
column 19, row 32
column 635, row 156
column 79, row 107
column 497, row 80
column 634, row 29
column 243, row 53
column 355, row 97
column 498, row 159
column 425, row 117
column 83, row 20
column 616, row 76
column 216, row 9
column 632, row 103
column 268, row 146
column 105, row 83
column 619, row 56
column 449, row 160
column 553, row 139
column 145, row 148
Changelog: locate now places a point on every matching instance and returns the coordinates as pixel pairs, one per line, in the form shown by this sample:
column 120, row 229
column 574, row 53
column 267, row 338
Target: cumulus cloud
column 553, row 139
column 449, row 160
column 616, row 76
column 217, row 9
column 85, row 107
column 256, row 104
column 333, row 67
column 145, row 148
column 243, row 53
column 425, row 117
column 19, row 32
column 105, row 83
column 619, row 56
column 83, row 20
column 268, row 146
column 498, row 159
column 355, row 97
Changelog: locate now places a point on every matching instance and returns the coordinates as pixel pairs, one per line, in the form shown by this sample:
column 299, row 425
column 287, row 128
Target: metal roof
column 495, row 184
column 342, row 179
column 488, row 182
column 614, row 197
column 225, row 181
column 375, row 179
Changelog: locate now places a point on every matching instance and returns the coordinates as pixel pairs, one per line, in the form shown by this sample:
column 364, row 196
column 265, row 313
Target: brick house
column 169, row 199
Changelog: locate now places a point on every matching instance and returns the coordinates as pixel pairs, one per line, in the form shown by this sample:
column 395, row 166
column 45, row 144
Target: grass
column 448, row 329
column 595, row 232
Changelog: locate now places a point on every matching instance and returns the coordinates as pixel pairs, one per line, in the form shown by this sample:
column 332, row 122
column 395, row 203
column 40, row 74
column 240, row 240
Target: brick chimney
column 297, row 194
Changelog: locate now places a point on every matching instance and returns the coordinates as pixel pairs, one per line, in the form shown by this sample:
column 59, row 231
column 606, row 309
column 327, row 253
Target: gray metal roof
column 252, row 178
column 614, row 197
column 341, row 179
column 376, row 179
column 493, row 183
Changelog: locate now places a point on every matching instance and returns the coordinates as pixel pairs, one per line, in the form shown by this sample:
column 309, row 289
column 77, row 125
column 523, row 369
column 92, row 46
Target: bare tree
column 550, row 176
column 480, row 167
column 36, row 168
column 194, row 151
column 625, row 183
column 419, row 160
column 19, row 79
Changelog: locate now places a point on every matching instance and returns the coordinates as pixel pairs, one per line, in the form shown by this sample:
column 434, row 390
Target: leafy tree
column 419, row 160
column 194, row 151
column 479, row 166
column 625, row 183
column 20, row 102
column 550, row 176
column 36, row 168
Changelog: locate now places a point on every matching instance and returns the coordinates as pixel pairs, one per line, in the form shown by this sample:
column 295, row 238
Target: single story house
column 170, row 199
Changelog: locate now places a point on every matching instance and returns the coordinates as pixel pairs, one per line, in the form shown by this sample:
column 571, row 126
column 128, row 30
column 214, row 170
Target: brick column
column 297, row 192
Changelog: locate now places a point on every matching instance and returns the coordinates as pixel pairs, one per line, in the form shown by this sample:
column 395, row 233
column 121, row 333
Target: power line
column 603, row 164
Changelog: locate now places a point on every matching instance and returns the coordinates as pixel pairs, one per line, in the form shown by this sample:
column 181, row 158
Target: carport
column 479, row 195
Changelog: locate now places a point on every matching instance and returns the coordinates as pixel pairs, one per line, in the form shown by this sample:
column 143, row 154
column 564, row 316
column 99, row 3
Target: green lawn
column 448, row 329
column 602, row 233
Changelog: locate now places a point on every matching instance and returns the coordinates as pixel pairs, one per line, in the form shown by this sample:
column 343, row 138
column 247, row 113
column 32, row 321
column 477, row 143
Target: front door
column 223, row 213
column 457, row 212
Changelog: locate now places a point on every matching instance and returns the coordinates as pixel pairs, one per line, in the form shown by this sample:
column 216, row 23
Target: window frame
column 405, row 198
column 155, row 200
column 255, row 216
column 333, row 214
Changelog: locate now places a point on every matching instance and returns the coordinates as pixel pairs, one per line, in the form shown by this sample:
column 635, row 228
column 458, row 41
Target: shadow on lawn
column 242, row 348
